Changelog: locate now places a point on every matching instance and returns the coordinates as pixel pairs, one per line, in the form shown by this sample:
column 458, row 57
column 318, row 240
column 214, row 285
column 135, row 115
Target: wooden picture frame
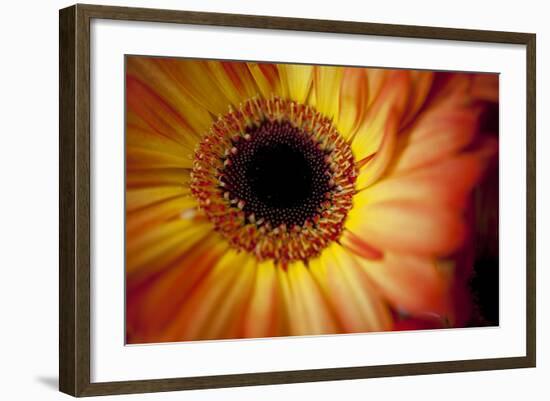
column 74, row 204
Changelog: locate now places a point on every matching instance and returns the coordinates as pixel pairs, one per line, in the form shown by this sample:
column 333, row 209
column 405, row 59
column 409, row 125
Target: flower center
column 276, row 179
column 280, row 174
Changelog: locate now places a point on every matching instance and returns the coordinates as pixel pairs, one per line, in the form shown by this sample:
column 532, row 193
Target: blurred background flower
column 277, row 199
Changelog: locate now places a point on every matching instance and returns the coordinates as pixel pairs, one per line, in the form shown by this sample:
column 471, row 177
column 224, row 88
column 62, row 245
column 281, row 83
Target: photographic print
column 271, row 199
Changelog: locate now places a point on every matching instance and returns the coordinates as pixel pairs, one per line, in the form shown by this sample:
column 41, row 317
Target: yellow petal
column 143, row 219
column 234, row 80
column 265, row 316
column 162, row 119
column 215, row 307
column 194, row 78
column 139, row 158
column 137, row 198
column 145, row 149
column 153, row 249
column 355, row 301
column 391, row 99
column 159, row 176
column 296, row 79
column 226, row 318
column 372, row 168
column 308, row 311
column 327, row 81
column 353, row 101
column 267, row 79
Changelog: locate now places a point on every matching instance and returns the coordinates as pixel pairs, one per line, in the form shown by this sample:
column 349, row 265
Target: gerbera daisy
column 278, row 200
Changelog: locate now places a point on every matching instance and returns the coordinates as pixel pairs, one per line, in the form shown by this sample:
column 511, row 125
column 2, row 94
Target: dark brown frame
column 74, row 199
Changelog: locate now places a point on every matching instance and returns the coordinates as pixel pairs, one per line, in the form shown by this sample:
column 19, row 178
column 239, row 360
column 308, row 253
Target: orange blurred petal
column 421, row 82
column 446, row 184
column 438, row 134
column 486, row 87
column 153, row 309
column 411, row 284
column 408, row 227
column 359, row 246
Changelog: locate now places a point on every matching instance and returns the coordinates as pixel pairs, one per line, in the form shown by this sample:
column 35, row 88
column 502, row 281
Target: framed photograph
column 250, row 200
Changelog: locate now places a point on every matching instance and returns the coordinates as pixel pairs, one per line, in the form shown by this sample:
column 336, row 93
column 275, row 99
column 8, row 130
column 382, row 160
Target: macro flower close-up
column 267, row 200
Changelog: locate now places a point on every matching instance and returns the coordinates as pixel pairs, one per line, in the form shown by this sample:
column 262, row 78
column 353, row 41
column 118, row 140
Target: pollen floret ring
column 275, row 178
